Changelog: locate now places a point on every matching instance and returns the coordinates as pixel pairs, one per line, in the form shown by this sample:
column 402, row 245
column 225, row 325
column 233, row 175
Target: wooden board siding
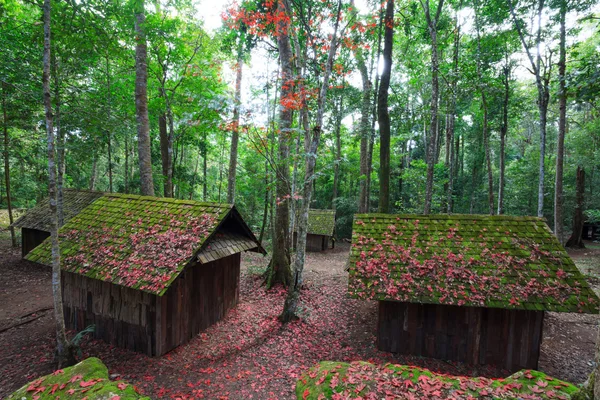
column 147, row 323
column 315, row 242
column 200, row 297
column 508, row 339
column 31, row 238
column 122, row 316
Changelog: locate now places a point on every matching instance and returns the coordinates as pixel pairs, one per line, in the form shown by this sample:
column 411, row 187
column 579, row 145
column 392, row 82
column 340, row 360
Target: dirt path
column 249, row 355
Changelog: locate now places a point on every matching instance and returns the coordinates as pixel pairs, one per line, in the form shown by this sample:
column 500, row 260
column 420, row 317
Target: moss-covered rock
column 337, row 380
column 88, row 379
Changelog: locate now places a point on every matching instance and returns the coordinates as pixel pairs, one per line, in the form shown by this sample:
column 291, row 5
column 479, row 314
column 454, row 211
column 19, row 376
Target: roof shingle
column 321, row 222
column 138, row 241
column 471, row 260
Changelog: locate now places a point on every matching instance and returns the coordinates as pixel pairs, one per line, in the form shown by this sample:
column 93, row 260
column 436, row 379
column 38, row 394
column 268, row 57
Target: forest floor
column 250, row 354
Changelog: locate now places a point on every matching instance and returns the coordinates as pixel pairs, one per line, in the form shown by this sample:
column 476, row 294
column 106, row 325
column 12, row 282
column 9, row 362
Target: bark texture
column 64, row 355
column 575, row 240
column 383, row 115
column 235, row 134
column 432, row 22
column 141, row 101
column 311, row 146
column 503, row 133
column 13, row 238
column 562, row 127
column 279, row 269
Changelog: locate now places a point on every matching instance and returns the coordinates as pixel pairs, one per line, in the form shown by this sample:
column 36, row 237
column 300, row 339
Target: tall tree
column 141, row 101
column 13, row 237
column 279, row 270
column 541, row 70
column 383, row 114
column 432, row 26
column 311, row 141
column 63, row 349
column 235, row 133
column 562, row 125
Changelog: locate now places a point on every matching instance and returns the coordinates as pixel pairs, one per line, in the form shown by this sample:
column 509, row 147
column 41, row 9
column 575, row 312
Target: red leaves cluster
column 140, row 253
column 415, row 269
column 368, row 381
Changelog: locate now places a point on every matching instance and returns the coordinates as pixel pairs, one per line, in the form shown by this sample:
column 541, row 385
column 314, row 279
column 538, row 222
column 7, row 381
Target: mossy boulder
column 88, row 379
column 338, row 380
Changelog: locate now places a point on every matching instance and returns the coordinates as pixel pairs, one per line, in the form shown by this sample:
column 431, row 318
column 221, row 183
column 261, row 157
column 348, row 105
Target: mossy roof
column 321, row 222
column 74, row 200
column 465, row 260
column 145, row 242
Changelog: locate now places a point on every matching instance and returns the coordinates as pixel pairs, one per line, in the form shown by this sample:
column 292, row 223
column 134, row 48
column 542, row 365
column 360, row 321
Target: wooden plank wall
column 201, row 296
column 31, row 238
column 123, row 317
column 509, row 339
column 316, row 242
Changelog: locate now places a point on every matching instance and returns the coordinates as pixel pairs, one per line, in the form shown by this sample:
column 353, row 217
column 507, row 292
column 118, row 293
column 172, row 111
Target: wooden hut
column 321, row 228
column 35, row 224
column 465, row 288
column 150, row 273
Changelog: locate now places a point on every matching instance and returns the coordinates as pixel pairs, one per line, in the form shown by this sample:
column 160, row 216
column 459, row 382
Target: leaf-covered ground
column 249, row 354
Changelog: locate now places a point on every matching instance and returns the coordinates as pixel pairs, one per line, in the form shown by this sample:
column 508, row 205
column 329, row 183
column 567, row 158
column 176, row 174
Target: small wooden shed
column 465, row 288
column 150, row 273
column 35, row 224
column 321, row 228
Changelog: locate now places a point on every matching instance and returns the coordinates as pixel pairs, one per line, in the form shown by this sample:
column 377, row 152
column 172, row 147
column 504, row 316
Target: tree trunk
column 279, row 268
column 13, row 238
column 267, row 201
column 503, row 132
column 141, row 101
column 338, row 152
column 170, row 163
column 364, row 124
column 236, row 123
column 94, row 173
column 126, row 172
column 60, row 144
column 575, row 240
column 562, row 125
column 164, row 149
column 433, row 126
column 64, row 353
column 383, row 115
column 204, row 167
column 312, row 145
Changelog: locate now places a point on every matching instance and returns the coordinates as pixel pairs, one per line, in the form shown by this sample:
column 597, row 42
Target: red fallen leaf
column 551, row 394
column 64, row 385
column 71, row 391
column 122, row 386
column 88, row 383
column 536, row 389
column 305, row 394
column 408, row 383
column 541, row 383
column 58, row 371
column 75, row 378
column 54, row 388
column 115, row 398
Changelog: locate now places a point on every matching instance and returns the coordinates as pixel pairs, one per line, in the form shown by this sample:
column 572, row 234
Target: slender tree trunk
column 575, row 240
column 126, row 172
column 170, row 163
column 383, row 115
column 562, row 125
column 503, row 133
column 338, row 151
column 13, row 238
column 433, row 126
column 236, row 123
column 267, row 201
column 109, row 125
column 312, row 145
column 204, row 167
column 141, row 101
column 94, row 172
column 63, row 349
column 164, row 150
column 279, row 269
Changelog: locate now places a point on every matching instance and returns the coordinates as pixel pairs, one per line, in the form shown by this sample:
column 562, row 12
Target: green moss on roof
column 135, row 241
column 74, row 200
column 465, row 260
column 321, row 222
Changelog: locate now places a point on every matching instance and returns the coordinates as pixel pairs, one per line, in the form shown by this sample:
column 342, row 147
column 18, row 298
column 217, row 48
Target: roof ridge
column 481, row 217
column 168, row 200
